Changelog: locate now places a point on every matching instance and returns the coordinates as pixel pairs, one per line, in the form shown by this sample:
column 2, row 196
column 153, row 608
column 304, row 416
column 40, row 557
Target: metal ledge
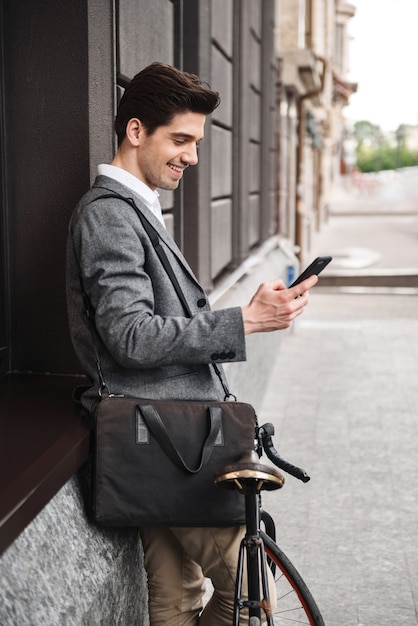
column 44, row 443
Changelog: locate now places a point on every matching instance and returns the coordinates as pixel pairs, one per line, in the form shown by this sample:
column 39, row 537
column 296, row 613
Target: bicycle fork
column 252, row 546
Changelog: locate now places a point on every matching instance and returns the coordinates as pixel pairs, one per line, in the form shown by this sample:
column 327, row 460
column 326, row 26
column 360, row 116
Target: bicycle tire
column 295, row 603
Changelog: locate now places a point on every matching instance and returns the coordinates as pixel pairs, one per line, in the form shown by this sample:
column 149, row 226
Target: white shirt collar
column 150, row 197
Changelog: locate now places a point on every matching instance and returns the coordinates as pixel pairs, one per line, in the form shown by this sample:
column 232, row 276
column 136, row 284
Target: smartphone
column 314, row 268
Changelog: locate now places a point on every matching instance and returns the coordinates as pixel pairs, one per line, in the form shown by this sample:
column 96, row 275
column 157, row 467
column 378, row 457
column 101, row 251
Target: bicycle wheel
column 295, row 604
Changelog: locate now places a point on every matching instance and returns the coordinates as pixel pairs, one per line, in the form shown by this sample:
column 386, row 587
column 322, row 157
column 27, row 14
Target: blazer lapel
column 113, row 186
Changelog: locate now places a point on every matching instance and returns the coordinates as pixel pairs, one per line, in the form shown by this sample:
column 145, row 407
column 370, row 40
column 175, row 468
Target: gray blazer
column 147, row 346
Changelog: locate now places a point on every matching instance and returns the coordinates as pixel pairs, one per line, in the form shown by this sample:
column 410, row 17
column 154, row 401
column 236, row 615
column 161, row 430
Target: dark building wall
column 44, row 171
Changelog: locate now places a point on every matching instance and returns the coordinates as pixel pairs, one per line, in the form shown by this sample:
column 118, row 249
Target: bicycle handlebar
column 265, row 434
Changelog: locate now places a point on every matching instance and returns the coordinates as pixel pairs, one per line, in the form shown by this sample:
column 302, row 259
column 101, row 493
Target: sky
column 384, row 62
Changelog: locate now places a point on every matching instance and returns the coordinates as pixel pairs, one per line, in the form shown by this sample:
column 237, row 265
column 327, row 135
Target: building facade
column 312, row 46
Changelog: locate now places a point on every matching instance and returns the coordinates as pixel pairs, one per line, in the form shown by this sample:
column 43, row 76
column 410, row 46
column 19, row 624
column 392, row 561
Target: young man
column 147, row 347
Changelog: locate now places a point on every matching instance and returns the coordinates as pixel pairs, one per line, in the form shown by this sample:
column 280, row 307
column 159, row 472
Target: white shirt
column 150, row 197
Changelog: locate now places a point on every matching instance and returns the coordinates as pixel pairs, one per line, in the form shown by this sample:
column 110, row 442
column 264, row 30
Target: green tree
column 364, row 130
column 375, row 152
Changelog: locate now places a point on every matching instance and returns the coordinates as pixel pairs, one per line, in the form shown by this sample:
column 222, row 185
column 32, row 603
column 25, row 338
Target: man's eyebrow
column 180, row 135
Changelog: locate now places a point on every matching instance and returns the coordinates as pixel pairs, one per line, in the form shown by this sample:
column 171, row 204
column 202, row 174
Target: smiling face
column 161, row 158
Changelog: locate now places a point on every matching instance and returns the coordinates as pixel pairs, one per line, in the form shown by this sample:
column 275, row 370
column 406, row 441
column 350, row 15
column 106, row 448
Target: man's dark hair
column 158, row 93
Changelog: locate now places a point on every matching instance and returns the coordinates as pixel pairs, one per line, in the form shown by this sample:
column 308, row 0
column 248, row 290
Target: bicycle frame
column 252, row 546
column 251, row 477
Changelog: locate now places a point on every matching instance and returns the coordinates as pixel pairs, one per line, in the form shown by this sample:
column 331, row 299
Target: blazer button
column 214, row 356
column 231, row 355
column 201, row 303
column 222, row 356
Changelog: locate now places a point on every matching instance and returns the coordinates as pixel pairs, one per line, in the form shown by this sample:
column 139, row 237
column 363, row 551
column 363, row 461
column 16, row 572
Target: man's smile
column 176, row 169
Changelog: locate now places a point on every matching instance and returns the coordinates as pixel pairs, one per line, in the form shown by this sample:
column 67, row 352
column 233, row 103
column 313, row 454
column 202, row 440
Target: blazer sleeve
column 142, row 323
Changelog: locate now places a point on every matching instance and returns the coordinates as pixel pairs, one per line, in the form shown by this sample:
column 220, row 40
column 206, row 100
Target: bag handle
column 156, row 426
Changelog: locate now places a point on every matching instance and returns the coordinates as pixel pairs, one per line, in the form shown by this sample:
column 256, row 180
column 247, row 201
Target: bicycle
column 294, row 601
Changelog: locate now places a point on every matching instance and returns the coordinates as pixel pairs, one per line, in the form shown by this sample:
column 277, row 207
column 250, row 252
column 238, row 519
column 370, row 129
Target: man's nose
column 190, row 156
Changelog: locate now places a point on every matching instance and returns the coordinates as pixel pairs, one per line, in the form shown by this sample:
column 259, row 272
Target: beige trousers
column 177, row 561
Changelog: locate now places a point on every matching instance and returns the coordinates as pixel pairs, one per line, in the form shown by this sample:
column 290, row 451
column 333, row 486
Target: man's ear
column 134, row 131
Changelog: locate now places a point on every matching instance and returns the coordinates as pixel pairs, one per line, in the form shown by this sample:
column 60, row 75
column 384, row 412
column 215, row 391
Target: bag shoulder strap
column 156, row 242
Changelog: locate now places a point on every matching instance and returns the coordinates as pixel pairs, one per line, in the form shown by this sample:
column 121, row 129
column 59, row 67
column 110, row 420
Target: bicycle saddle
column 249, row 469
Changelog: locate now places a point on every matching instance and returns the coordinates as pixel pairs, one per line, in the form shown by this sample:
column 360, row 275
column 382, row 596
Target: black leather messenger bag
column 155, row 460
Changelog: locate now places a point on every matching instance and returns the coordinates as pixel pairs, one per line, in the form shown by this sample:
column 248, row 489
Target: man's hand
column 273, row 307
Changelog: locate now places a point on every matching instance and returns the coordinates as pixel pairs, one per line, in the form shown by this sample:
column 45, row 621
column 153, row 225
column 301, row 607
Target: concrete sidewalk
column 343, row 395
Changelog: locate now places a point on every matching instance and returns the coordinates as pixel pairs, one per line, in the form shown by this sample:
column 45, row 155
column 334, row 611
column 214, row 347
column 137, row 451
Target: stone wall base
column 64, row 571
